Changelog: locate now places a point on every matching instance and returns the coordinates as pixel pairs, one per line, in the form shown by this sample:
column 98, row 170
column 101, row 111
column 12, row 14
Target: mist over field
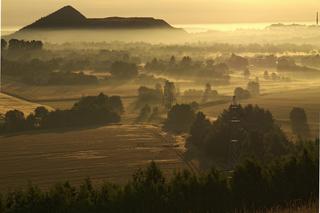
column 203, row 118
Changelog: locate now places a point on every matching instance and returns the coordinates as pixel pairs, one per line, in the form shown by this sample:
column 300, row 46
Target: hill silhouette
column 69, row 25
column 62, row 18
column 70, row 18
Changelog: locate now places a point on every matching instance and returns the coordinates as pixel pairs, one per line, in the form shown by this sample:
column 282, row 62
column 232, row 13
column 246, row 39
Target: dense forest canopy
column 236, row 135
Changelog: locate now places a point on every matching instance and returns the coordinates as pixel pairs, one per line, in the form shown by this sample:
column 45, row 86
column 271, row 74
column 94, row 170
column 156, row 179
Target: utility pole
column 317, row 19
column 234, row 146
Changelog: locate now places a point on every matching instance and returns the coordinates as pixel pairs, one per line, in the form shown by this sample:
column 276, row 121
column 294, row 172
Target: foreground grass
column 310, row 207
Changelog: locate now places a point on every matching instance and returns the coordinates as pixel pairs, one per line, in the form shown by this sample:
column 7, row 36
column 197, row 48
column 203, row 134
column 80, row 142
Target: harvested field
column 9, row 103
column 63, row 92
column 109, row 153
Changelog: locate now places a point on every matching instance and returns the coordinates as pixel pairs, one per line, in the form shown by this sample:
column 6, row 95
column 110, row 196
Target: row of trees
column 201, row 96
column 238, row 133
column 15, row 44
column 253, row 89
column 187, row 67
column 121, row 70
column 165, row 96
column 37, row 72
column 237, row 62
column 149, row 115
column 287, row 64
column 249, row 188
column 88, row 110
column 59, row 71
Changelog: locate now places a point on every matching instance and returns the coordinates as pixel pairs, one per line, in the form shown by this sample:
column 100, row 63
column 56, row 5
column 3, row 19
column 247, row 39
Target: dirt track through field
column 109, row 153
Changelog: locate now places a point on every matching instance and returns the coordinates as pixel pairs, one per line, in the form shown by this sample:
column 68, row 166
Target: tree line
column 38, row 72
column 89, row 110
column 187, row 67
column 16, row 44
column 239, row 132
column 165, row 96
column 249, row 187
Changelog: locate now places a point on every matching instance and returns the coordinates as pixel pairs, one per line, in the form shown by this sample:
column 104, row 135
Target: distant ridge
column 281, row 25
column 70, row 18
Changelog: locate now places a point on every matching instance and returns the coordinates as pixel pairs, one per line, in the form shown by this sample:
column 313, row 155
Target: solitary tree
column 172, row 61
column 144, row 113
column 180, row 118
column 123, row 70
column 155, row 115
column 246, row 73
column 198, row 130
column 116, row 104
column 169, row 94
column 14, row 120
column 266, row 74
column 40, row 113
column 299, row 122
column 254, row 88
column 3, row 44
column 209, row 93
column 186, row 61
column 241, row 93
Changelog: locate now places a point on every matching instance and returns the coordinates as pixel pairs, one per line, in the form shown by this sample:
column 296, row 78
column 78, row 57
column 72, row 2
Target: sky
column 16, row 13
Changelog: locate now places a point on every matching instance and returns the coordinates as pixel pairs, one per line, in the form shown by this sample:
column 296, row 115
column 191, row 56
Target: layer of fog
column 301, row 34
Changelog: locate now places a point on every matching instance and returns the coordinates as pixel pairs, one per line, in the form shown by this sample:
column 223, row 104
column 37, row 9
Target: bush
column 123, row 70
column 299, row 122
column 241, row 93
column 179, row 118
column 149, row 96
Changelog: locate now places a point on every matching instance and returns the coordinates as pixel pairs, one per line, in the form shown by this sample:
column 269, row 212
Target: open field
column 278, row 97
column 9, row 103
column 62, row 92
column 109, row 153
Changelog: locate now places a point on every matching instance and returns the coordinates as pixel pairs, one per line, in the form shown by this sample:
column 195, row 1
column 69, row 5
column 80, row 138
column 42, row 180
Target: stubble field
column 110, row 153
column 9, row 103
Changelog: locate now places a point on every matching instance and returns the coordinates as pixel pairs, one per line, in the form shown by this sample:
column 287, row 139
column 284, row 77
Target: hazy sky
column 22, row 12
